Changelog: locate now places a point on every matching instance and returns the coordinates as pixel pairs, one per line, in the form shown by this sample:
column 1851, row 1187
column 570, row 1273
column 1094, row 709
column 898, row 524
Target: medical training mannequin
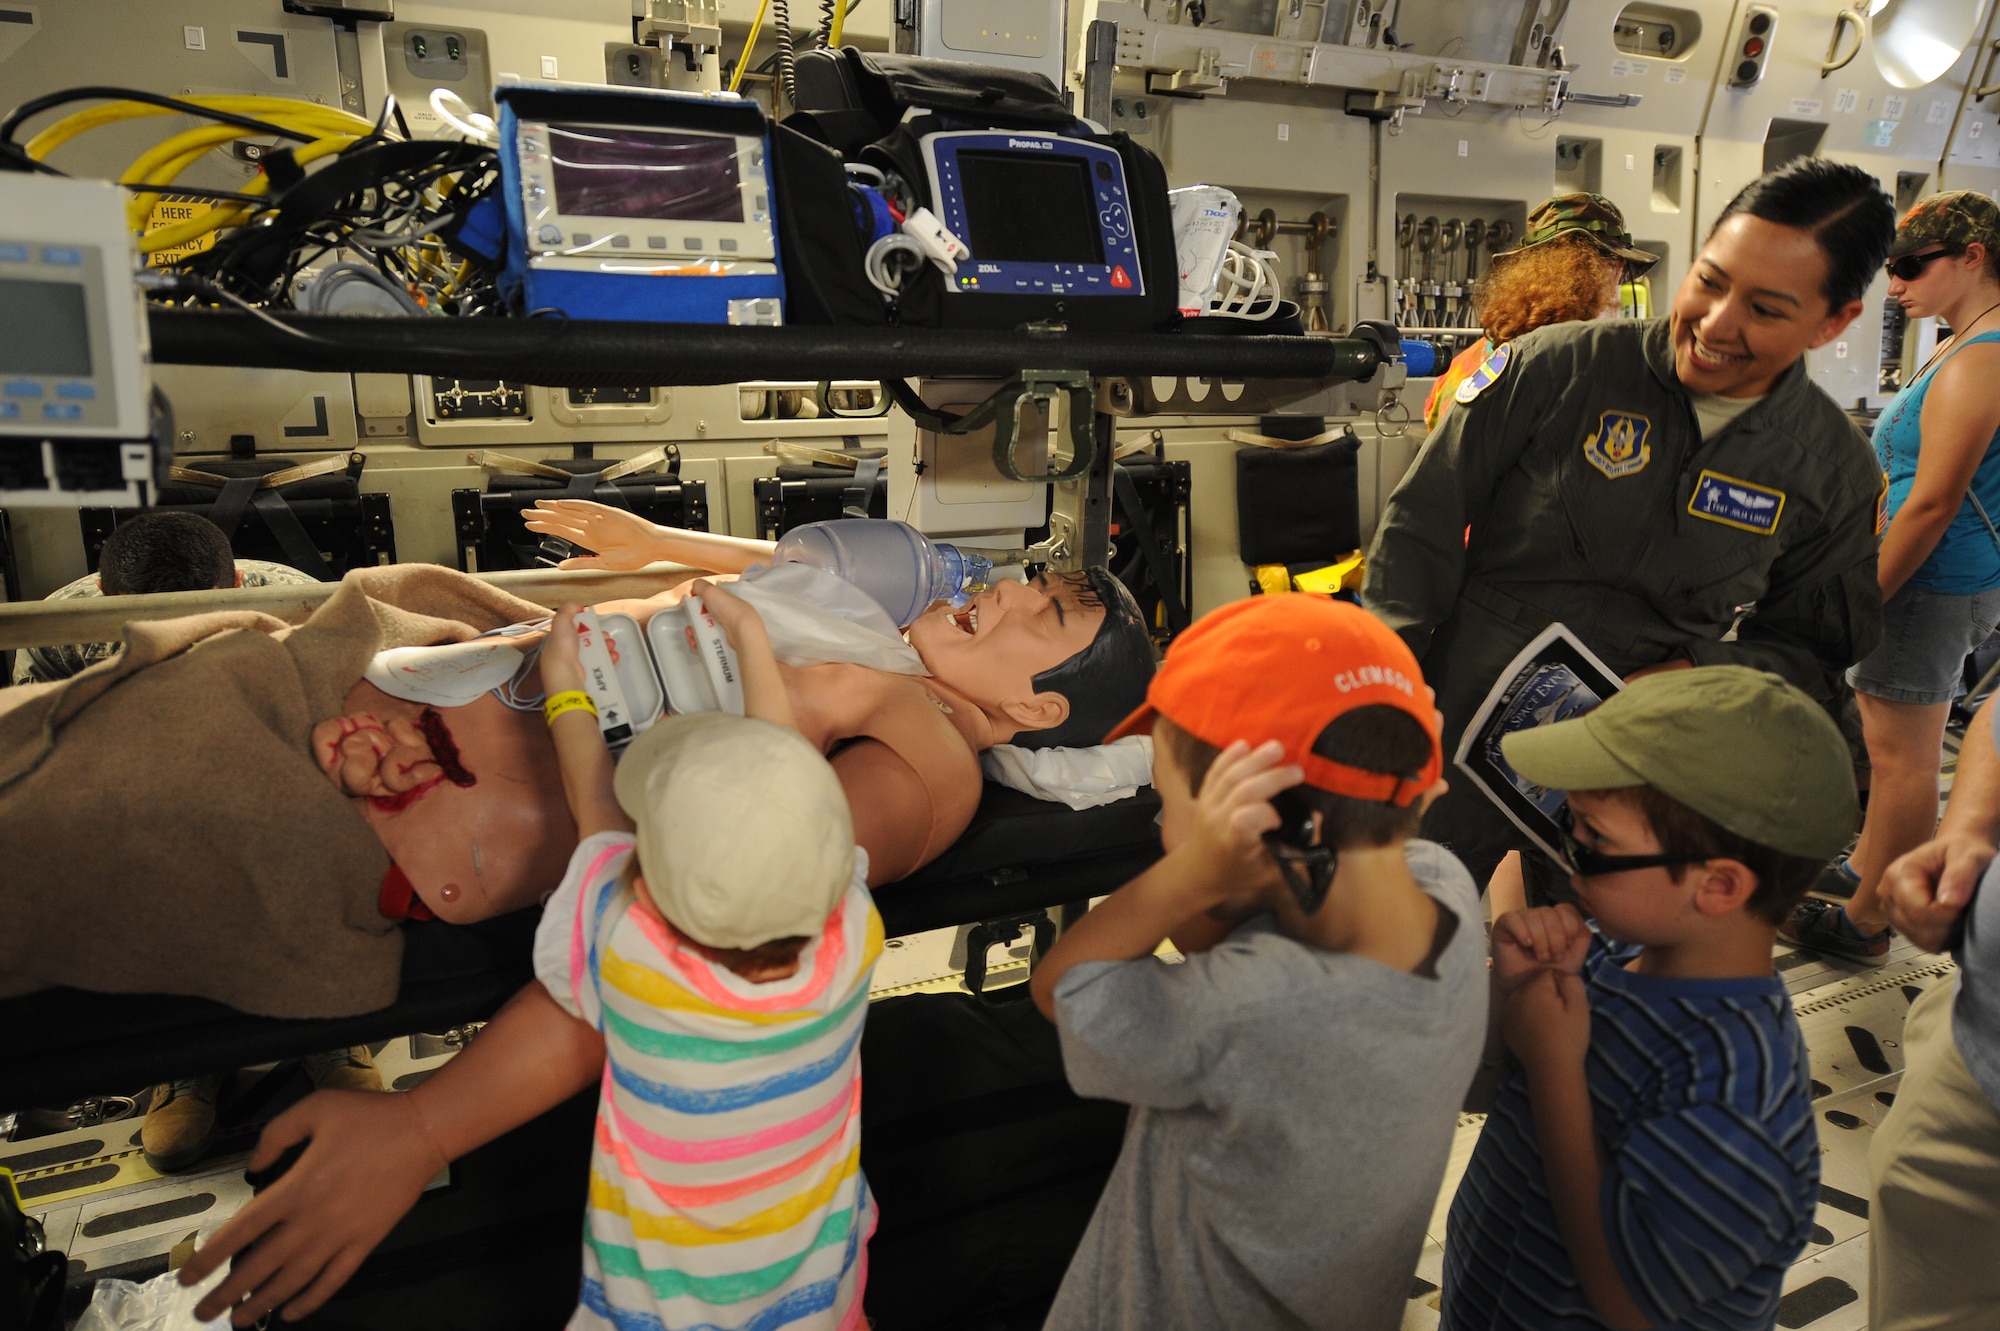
column 468, row 801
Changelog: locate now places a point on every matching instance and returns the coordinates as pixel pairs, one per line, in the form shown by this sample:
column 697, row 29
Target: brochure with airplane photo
column 1554, row 678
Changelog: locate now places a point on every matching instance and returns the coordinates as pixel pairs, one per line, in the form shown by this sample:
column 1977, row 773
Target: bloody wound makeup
column 444, row 752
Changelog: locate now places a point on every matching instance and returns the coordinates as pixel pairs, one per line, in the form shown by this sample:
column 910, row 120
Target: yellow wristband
column 568, row 701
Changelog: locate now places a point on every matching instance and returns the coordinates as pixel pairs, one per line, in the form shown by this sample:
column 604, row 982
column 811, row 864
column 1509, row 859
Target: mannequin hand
column 1233, row 812
column 562, row 668
column 1927, row 890
column 300, row 1239
column 622, row 540
column 739, row 619
column 1547, row 1021
column 1526, row 942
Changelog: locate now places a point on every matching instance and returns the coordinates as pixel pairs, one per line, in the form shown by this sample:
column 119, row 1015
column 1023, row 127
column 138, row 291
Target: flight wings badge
column 1736, row 503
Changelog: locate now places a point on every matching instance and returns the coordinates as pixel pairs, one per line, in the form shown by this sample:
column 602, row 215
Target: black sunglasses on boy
column 1584, row 862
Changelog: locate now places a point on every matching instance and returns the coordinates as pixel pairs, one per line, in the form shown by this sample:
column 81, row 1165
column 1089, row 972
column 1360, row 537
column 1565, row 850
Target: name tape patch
column 1618, row 446
column 1489, row 370
column 1737, row 503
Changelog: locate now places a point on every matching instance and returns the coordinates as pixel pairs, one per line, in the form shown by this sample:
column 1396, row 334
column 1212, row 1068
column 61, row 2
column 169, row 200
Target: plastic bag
column 813, row 618
column 161, row 1304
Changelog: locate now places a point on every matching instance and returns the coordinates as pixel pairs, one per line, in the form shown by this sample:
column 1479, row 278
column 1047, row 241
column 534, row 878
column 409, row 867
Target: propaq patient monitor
column 1044, row 215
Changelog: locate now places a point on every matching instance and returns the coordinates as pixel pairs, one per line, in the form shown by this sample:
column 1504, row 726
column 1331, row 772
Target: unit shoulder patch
column 1737, row 503
column 1489, row 370
column 1619, row 446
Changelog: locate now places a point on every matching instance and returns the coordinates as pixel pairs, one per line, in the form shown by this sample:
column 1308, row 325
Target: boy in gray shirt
column 1295, row 1081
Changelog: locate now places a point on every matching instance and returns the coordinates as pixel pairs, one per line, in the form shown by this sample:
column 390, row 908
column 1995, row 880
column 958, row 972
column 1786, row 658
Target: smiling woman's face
column 1752, row 304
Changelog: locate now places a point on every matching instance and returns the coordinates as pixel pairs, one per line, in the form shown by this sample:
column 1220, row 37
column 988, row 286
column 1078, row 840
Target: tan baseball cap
column 1741, row 747
column 744, row 831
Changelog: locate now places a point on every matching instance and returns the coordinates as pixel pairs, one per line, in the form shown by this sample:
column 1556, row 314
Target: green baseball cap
column 1740, row 747
column 1956, row 218
column 1593, row 216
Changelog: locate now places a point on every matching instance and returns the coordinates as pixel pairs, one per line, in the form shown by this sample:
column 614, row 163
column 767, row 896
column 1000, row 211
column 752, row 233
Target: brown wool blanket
column 164, row 828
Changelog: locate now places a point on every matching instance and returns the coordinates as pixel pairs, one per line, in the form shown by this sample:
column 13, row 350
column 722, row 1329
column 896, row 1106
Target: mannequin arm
column 624, row 540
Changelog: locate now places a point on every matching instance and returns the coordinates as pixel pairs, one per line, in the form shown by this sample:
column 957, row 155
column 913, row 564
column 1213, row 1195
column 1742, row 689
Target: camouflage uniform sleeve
column 264, row 573
column 48, row 665
column 1416, row 565
column 1822, row 610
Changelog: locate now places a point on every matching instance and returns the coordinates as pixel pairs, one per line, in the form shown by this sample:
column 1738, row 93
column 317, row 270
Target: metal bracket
column 1003, row 411
column 1004, row 930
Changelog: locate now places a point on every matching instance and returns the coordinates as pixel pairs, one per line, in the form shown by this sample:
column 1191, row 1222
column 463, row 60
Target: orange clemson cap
column 1283, row 667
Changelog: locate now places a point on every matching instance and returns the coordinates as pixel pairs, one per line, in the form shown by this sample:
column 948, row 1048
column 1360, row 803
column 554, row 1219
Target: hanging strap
column 1272, row 441
column 854, row 499
column 243, row 492
column 1126, row 495
column 1980, row 509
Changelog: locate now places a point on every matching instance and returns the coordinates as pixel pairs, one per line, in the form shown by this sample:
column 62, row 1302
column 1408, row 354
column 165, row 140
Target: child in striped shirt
column 1650, row 1157
column 706, row 963
column 715, row 927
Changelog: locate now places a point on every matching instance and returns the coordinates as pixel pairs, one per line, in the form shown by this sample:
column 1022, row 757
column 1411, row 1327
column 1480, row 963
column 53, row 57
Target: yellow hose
column 179, row 233
column 305, row 117
column 750, row 44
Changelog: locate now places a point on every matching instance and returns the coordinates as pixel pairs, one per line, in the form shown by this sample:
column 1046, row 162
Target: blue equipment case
column 599, row 250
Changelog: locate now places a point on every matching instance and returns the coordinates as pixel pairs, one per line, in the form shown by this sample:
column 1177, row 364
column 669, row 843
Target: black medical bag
column 855, row 102
column 985, row 1166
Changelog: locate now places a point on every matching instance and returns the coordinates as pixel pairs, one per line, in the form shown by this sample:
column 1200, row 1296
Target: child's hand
column 1538, row 939
column 1233, row 812
column 739, row 619
column 1547, row 1021
column 562, row 668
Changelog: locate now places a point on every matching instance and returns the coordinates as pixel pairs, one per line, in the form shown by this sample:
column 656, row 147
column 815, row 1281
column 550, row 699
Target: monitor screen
column 645, row 173
column 46, row 331
column 1030, row 208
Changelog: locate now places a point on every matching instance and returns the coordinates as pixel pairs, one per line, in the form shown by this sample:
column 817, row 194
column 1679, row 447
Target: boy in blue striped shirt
column 1650, row 1158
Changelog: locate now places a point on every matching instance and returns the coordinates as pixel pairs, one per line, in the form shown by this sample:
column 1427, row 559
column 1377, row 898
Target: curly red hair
column 1558, row 281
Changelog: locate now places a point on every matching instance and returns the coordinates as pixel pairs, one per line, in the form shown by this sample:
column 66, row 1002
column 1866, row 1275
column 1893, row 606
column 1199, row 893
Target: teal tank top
column 1967, row 557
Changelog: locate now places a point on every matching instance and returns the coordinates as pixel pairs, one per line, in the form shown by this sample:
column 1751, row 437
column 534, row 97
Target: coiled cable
column 781, row 21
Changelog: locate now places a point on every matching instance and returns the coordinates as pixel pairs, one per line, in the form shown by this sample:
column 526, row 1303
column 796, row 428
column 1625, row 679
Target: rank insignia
column 1618, row 447
column 1736, row 503
column 1489, row 370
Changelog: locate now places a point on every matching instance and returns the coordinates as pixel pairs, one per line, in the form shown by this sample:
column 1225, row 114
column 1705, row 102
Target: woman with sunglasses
column 1940, row 558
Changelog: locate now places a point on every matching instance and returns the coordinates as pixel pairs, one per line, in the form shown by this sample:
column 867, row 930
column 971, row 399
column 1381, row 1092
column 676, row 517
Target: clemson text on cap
column 1349, row 680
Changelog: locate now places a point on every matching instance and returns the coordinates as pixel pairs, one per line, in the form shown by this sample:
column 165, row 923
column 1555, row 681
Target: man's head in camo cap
column 1956, row 218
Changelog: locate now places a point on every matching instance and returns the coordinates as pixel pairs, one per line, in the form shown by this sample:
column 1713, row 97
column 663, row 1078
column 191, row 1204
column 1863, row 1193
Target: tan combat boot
column 180, row 1122
column 344, row 1070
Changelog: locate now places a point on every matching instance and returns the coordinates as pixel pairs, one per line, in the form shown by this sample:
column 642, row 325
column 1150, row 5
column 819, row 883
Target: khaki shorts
column 1934, row 1258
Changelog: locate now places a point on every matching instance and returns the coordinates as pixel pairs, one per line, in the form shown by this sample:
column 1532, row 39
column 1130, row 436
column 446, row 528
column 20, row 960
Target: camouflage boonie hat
column 1955, row 218
column 1596, row 217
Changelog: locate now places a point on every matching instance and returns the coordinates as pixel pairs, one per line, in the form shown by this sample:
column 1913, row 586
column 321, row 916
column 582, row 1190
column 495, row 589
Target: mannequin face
column 1752, row 304
column 992, row 650
column 468, row 800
